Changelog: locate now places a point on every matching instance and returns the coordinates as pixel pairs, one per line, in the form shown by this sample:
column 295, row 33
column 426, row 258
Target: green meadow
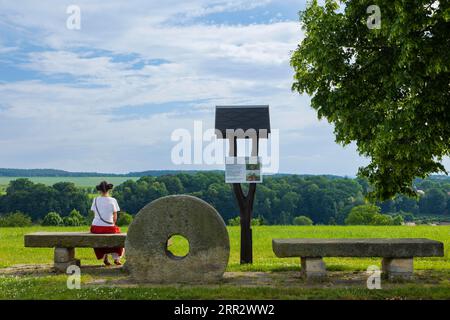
column 436, row 270
column 78, row 181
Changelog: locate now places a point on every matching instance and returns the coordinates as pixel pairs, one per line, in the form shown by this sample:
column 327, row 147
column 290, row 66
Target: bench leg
column 313, row 268
column 63, row 258
column 397, row 268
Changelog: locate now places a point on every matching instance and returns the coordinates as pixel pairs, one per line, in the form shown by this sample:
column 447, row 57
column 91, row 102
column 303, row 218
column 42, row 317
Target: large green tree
column 386, row 89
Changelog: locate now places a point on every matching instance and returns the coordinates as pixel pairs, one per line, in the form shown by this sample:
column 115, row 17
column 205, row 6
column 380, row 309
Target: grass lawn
column 436, row 270
column 79, row 181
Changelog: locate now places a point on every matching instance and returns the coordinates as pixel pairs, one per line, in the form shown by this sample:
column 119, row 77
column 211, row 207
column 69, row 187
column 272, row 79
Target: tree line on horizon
column 279, row 200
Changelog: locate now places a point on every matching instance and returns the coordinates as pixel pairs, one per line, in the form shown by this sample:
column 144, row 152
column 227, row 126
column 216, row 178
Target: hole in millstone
column 177, row 247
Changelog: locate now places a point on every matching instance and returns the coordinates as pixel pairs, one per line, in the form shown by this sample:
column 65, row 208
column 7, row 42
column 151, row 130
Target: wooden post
column 245, row 203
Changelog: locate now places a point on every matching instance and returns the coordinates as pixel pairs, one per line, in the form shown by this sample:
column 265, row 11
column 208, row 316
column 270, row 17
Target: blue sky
column 108, row 96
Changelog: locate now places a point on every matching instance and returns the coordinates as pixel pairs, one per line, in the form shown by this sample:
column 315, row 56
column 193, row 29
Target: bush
column 369, row 214
column 74, row 219
column 362, row 215
column 302, row 221
column 124, row 219
column 70, row 222
column 257, row 222
column 382, row 220
column 398, row 220
column 237, row 221
column 16, row 219
column 52, row 219
column 234, row 221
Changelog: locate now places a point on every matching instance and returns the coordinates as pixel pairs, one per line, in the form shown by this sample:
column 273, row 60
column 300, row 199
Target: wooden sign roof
column 242, row 117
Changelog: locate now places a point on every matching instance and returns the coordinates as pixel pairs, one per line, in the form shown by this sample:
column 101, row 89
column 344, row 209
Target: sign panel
column 243, row 170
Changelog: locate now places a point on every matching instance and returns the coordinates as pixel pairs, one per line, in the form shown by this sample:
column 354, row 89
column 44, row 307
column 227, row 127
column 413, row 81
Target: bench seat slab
column 391, row 248
column 74, row 240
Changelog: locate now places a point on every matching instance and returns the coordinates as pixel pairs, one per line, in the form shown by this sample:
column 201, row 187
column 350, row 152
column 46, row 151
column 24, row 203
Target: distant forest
column 324, row 199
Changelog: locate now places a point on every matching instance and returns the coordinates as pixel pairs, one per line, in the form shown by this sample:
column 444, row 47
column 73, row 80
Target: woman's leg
column 116, row 258
column 106, row 261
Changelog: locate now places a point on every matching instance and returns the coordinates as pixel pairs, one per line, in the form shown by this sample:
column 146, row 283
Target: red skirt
column 100, row 252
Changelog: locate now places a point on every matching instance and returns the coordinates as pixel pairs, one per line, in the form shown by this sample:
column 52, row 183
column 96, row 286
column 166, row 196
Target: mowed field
column 48, row 285
column 78, row 181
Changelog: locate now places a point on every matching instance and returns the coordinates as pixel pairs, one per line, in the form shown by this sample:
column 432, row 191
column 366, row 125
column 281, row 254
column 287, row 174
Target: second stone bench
column 397, row 254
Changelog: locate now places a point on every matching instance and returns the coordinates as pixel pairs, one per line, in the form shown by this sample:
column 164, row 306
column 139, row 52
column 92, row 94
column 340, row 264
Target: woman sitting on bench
column 105, row 208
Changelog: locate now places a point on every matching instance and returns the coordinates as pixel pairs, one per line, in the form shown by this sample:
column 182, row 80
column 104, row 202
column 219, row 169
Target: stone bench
column 397, row 254
column 66, row 242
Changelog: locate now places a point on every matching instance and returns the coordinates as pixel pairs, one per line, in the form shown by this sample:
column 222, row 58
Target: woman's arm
column 115, row 217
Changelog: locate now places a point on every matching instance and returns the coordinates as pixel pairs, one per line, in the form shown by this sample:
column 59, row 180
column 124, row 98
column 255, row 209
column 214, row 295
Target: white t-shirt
column 107, row 206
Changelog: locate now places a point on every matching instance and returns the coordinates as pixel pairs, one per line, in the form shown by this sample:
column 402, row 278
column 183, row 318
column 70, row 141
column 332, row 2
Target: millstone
column 148, row 259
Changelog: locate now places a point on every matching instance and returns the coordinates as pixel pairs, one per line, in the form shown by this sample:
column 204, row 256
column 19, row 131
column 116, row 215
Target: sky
column 108, row 96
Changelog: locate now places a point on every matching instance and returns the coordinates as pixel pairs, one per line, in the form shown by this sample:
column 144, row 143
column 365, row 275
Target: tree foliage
column 386, row 89
column 37, row 199
column 323, row 199
column 433, row 202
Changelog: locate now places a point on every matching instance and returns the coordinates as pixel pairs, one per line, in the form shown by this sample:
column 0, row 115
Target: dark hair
column 104, row 187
